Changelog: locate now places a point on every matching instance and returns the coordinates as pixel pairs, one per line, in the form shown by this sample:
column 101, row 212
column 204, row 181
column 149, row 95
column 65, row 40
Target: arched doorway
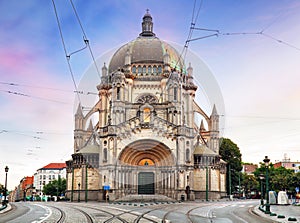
column 151, row 164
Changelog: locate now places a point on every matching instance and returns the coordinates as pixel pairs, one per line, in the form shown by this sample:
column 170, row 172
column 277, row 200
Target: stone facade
column 146, row 140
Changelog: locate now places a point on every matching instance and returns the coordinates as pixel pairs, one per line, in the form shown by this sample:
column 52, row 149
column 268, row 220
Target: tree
column 231, row 154
column 250, row 184
column 56, row 187
column 280, row 178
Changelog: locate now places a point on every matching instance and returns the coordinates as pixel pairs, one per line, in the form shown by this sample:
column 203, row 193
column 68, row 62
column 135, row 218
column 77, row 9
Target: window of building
column 118, row 93
column 149, row 70
column 147, row 113
column 187, row 155
column 44, row 177
column 105, row 154
column 154, row 70
column 175, row 93
column 139, row 69
column 146, row 162
column 144, row 70
column 159, row 69
column 134, row 69
column 53, row 177
column 49, row 177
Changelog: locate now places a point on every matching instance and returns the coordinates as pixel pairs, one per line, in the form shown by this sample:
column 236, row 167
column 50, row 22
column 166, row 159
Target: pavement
column 5, row 209
column 281, row 213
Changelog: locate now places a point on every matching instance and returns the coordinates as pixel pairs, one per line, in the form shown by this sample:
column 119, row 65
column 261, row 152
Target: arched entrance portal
column 150, row 166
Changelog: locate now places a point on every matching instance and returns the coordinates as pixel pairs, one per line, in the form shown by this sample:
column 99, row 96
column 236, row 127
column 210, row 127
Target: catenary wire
column 86, row 39
column 30, row 96
column 65, row 50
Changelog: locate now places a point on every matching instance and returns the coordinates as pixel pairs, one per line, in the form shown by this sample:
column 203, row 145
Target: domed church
column 146, row 141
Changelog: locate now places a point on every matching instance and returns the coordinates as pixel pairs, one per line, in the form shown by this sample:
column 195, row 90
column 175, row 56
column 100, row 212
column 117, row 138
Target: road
column 204, row 212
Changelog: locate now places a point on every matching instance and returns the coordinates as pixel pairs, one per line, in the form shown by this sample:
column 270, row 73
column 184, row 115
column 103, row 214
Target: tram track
column 88, row 216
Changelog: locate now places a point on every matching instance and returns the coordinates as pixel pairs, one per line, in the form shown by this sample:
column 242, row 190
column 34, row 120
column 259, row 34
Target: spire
column 147, row 25
column 214, row 111
column 90, row 128
column 190, row 70
column 104, row 70
column 79, row 111
column 202, row 128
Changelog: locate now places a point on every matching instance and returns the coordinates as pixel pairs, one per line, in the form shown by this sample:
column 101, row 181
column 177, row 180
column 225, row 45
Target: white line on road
column 47, row 215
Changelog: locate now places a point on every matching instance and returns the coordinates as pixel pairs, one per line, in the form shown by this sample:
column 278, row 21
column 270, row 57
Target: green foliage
column 231, row 154
column 56, row 187
column 280, row 179
column 249, row 183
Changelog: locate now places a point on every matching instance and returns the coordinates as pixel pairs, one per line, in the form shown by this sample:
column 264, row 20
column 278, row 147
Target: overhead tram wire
column 30, row 96
column 34, row 86
column 85, row 39
column 191, row 30
column 66, row 53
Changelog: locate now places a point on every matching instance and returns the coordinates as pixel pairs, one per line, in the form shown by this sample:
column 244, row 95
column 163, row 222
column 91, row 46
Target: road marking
column 48, row 210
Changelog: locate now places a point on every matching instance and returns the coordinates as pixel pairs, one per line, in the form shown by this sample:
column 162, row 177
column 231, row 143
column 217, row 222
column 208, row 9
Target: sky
column 254, row 61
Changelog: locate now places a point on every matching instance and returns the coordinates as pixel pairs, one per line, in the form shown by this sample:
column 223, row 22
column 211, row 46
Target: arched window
column 149, row 70
column 139, row 69
column 187, row 155
column 159, row 69
column 147, row 115
column 118, row 93
column 154, row 70
column 105, row 154
column 144, row 70
column 175, row 93
column 134, row 69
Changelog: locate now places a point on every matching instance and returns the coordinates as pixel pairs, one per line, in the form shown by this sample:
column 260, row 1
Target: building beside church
column 146, row 140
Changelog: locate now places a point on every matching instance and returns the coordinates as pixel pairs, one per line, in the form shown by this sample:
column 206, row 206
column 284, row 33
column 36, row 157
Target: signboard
column 106, row 187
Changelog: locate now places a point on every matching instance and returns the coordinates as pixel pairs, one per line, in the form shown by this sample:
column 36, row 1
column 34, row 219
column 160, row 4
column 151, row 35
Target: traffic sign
column 106, row 187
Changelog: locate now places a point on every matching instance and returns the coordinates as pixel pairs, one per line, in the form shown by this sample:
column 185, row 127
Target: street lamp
column 206, row 186
column 266, row 161
column 78, row 192
column 261, row 177
column 6, row 170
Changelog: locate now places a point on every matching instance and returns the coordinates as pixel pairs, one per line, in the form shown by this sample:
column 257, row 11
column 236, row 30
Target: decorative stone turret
column 147, row 25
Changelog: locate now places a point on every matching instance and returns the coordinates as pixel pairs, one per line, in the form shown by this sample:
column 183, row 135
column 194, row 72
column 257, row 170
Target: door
column 146, row 183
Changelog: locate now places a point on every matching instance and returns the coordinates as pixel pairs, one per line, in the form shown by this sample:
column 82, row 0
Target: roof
column 249, row 168
column 55, row 166
column 201, row 149
column 90, row 149
column 27, row 181
column 146, row 49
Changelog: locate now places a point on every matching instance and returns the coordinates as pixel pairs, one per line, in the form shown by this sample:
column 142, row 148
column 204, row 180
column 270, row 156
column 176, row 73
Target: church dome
column 146, row 49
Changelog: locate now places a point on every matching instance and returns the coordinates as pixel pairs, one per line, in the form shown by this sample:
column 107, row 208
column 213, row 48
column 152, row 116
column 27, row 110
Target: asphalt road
column 204, row 212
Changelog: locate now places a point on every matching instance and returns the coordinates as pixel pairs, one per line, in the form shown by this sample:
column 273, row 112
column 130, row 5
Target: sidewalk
column 5, row 209
column 284, row 213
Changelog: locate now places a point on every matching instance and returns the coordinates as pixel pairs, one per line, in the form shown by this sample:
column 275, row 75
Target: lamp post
column 261, row 177
column 266, row 161
column 5, row 188
column 78, row 192
column 239, row 184
column 206, row 186
column 229, row 180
